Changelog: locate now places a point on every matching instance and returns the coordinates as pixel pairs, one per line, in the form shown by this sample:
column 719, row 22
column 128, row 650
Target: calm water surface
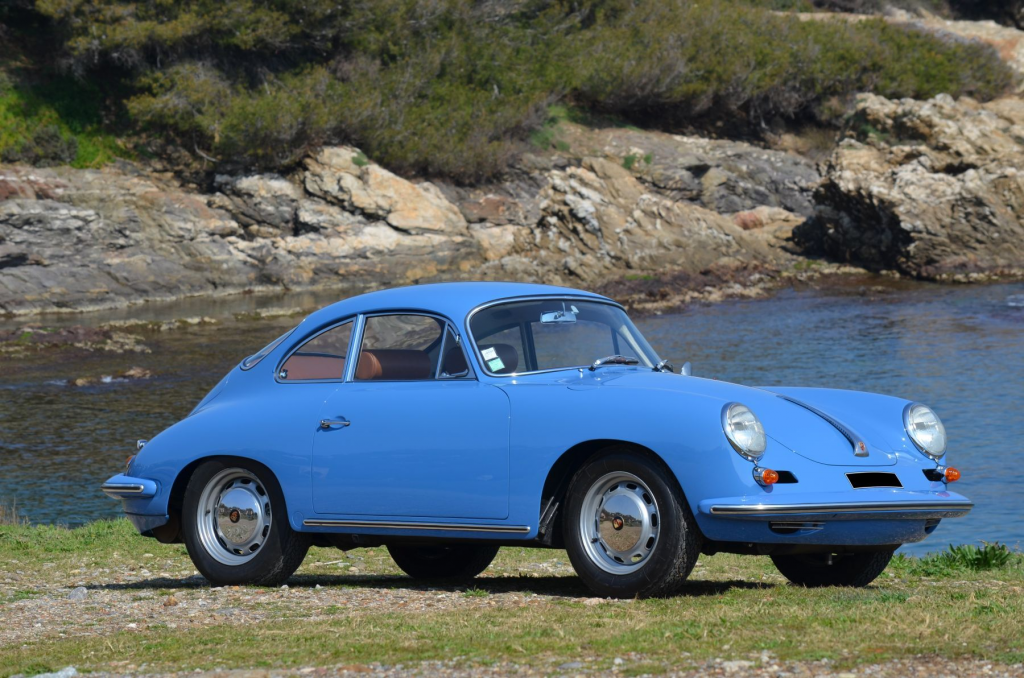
column 958, row 349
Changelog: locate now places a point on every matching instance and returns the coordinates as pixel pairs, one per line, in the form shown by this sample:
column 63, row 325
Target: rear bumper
column 123, row 486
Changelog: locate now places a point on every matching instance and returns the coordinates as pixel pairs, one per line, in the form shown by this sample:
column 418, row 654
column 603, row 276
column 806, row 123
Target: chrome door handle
column 328, row 423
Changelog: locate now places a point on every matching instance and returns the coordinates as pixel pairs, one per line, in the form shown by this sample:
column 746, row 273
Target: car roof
column 454, row 300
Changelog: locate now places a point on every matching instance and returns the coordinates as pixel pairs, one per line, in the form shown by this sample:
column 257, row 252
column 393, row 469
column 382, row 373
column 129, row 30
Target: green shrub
column 958, row 559
column 455, row 87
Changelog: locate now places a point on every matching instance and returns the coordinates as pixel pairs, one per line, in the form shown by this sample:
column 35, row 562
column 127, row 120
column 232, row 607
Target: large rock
column 82, row 239
column 721, row 175
column 86, row 239
column 598, row 222
column 933, row 189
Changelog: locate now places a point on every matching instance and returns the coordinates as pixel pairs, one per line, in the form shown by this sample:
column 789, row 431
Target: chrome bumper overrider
column 933, row 509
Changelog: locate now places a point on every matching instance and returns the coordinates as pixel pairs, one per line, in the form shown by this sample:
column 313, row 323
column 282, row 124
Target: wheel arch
column 556, row 484
column 171, row 532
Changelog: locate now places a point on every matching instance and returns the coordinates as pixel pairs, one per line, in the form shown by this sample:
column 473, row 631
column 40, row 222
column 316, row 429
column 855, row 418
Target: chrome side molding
column 448, row 527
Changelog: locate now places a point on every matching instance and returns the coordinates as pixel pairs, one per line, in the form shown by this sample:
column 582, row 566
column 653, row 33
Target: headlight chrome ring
column 744, row 431
column 925, row 429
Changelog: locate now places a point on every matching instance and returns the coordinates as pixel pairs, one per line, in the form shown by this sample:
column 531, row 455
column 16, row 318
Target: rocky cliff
column 83, row 239
column 930, row 189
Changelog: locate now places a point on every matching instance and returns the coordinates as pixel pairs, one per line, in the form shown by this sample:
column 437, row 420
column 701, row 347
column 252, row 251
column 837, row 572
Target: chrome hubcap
column 233, row 516
column 619, row 523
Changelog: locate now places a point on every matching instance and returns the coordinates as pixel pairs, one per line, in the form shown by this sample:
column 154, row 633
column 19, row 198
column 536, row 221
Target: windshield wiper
column 614, row 360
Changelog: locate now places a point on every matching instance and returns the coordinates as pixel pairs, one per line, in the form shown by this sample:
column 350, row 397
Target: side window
column 400, row 348
column 322, row 357
column 453, row 363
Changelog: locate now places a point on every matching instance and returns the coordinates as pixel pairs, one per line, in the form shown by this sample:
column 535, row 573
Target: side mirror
column 687, row 369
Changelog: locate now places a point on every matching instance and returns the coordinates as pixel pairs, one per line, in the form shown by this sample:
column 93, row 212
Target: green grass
column 528, row 609
column 55, row 124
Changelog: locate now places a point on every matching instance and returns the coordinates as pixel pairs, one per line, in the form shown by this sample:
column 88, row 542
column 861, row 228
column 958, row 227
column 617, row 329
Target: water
column 958, row 349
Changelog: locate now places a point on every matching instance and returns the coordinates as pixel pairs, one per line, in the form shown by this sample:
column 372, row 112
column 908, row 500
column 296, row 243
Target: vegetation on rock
column 445, row 87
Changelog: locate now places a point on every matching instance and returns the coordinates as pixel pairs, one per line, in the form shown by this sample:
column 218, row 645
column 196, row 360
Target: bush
column 455, row 87
column 957, row 559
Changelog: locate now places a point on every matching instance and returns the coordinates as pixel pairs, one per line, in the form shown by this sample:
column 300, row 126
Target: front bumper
column 871, row 517
column 844, row 510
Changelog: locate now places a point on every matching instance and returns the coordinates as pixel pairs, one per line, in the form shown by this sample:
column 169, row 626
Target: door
column 408, row 438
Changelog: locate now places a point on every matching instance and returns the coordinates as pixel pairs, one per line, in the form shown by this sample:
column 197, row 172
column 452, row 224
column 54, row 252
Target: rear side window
column 400, row 347
column 251, row 361
column 322, row 357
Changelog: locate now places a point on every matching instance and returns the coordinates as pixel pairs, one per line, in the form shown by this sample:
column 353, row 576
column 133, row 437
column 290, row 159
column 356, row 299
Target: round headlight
column 926, row 430
column 744, row 430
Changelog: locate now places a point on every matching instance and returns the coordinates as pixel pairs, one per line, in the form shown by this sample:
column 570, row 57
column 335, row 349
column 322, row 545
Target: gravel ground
column 99, row 602
column 917, row 666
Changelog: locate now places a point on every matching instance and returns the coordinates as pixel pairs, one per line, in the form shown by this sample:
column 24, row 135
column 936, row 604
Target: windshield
column 552, row 334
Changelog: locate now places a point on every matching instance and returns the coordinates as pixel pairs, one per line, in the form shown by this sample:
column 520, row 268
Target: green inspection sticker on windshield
column 495, row 365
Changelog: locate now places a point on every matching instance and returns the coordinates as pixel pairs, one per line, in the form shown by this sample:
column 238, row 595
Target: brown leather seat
column 508, row 354
column 311, row 366
column 394, row 365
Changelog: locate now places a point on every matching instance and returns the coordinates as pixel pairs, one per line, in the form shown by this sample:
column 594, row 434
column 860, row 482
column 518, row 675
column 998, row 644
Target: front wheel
column 452, row 562
column 235, row 526
column 848, row 569
column 628, row 530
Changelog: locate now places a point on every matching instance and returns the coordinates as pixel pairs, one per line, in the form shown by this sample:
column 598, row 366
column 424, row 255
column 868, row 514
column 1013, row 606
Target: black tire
column 280, row 550
column 675, row 549
column 452, row 562
column 849, row 569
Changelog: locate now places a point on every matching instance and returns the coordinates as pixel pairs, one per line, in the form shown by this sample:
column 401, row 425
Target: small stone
column 132, row 626
column 284, row 587
column 78, row 594
column 171, row 601
column 736, row 665
column 66, row 672
column 618, row 661
column 569, row 666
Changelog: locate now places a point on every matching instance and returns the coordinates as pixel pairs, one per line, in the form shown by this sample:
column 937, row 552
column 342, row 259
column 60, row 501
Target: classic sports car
column 444, row 421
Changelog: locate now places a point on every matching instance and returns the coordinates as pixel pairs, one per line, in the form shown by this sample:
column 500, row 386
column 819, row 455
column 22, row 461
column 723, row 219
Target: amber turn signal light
column 952, row 475
column 771, row 477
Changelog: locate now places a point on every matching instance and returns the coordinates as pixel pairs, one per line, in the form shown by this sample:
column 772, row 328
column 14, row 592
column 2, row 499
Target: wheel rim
column 619, row 523
column 233, row 516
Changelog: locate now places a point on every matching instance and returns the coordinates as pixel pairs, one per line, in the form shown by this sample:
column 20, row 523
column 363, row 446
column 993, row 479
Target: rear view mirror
column 557, row 317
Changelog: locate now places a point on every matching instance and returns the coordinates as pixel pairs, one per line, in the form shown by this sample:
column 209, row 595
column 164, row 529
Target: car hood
column 788, row 415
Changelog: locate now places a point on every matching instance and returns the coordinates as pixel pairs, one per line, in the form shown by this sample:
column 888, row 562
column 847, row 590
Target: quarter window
column 322, row 357
column 400, row 347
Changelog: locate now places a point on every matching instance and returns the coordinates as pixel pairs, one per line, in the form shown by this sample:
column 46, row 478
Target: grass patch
column 528, row 609
column 58, row 123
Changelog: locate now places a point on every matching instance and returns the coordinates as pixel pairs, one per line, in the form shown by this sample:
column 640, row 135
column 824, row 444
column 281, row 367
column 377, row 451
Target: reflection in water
column 957, row 349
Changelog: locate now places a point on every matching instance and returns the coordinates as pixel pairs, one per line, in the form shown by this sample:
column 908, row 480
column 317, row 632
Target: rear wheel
column 235, row 526
column 628, row 529
column 848, row 569
column 454, row 562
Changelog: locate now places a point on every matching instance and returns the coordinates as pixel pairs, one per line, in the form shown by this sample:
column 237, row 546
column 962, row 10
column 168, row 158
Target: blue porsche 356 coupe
column 444, row 421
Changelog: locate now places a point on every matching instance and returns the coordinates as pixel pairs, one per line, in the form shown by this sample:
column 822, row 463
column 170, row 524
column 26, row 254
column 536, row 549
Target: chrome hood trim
column 860, row 448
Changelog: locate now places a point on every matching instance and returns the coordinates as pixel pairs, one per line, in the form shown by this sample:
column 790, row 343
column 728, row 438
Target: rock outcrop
column 933, row 189
column 86, row 239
